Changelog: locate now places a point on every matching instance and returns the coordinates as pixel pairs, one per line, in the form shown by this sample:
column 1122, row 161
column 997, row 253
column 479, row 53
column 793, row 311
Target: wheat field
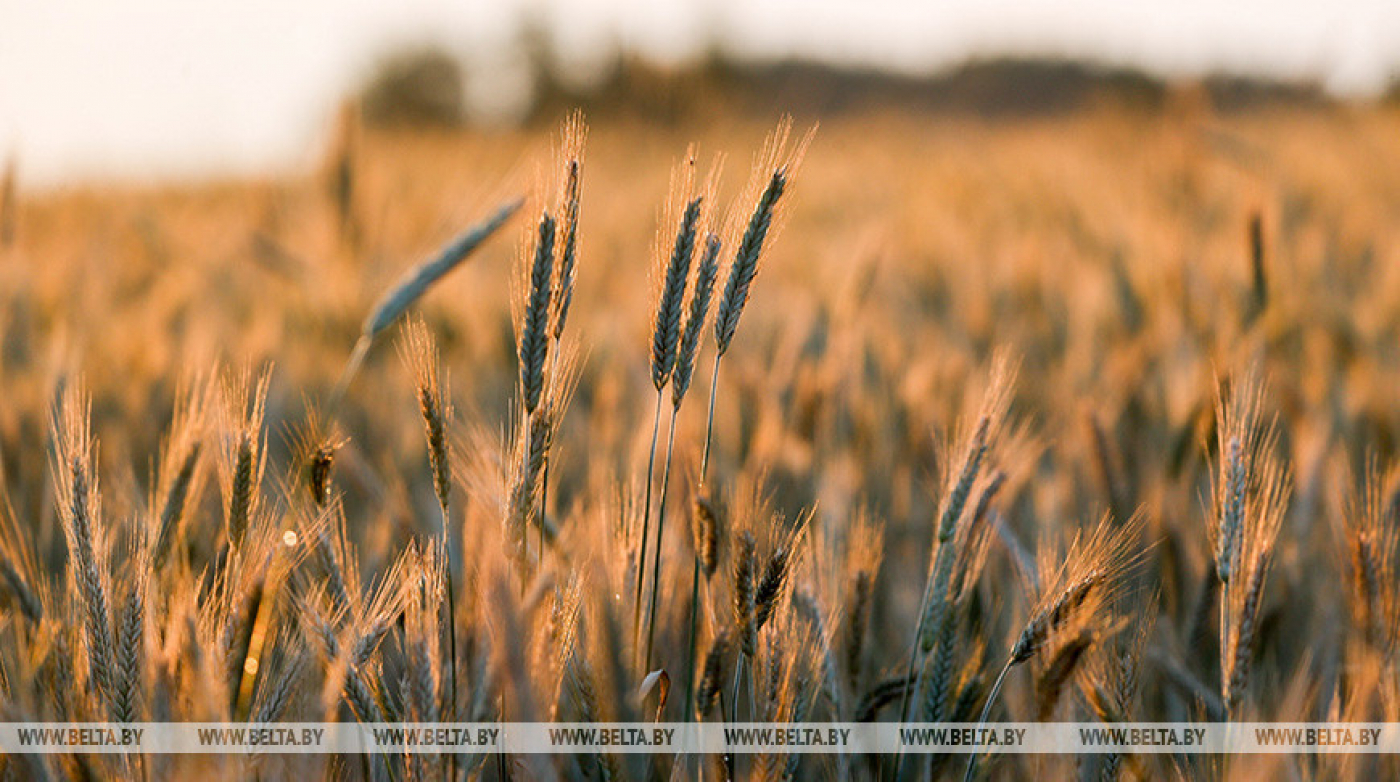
column 1087, row 418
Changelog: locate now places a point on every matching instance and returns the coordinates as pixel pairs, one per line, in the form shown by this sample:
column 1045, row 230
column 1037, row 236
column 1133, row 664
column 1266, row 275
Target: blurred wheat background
column 1101, row 398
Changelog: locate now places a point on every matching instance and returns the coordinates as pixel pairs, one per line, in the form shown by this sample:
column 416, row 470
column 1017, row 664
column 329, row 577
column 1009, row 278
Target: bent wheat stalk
column 412, row 287
column 1092, row 571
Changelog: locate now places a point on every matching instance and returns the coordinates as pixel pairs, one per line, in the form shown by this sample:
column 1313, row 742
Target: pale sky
column 153, row 89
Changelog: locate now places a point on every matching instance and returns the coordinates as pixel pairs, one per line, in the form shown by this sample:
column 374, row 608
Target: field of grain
column 1105, row 402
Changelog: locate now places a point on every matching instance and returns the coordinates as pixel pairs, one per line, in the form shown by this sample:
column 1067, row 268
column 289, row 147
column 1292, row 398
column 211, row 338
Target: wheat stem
column 709, row 424
column 646, row 524
column 660, row 527
column 694, row 633
column 986, row 711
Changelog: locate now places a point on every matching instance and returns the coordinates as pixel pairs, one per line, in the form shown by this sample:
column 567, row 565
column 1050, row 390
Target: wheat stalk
column 414, row 284
column 1089, row 577
column 1251, row 499
column 675, row 272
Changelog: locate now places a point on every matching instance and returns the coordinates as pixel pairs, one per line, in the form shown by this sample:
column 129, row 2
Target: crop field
column 911, row 416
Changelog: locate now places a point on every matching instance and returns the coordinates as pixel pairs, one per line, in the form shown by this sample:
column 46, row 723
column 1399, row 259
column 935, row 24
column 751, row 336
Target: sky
column 161, row 89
